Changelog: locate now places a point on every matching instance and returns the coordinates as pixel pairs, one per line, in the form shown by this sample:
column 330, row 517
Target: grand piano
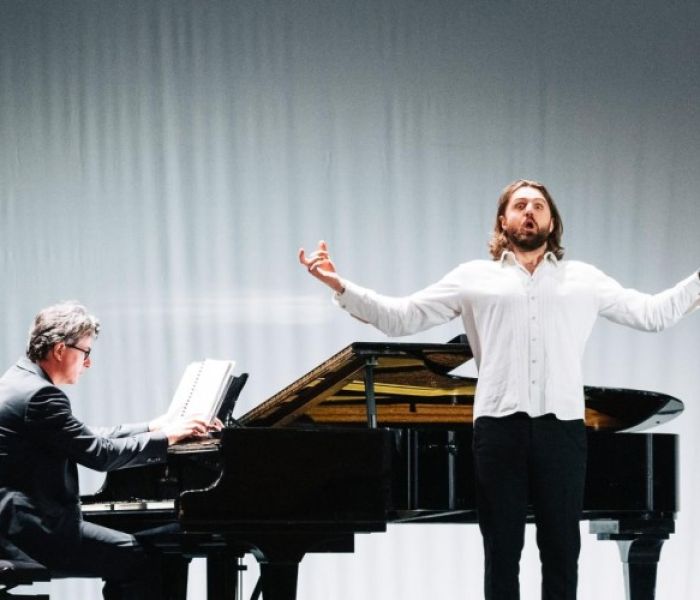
column 379, row 433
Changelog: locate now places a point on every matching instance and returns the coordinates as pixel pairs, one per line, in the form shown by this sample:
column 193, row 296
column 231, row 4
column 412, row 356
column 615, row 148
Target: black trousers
column 521, row 460
column 131, row 569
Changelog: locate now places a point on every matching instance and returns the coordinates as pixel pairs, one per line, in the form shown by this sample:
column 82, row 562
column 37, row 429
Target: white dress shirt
column 527, row 331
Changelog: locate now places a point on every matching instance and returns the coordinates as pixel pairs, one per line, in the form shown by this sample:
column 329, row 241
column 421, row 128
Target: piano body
column 380, row 433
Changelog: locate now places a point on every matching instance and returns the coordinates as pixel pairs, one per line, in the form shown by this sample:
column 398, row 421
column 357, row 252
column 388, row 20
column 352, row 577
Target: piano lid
column 413, row 385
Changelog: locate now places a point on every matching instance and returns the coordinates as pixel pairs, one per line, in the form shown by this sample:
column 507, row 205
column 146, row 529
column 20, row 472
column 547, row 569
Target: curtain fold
column 162, row 162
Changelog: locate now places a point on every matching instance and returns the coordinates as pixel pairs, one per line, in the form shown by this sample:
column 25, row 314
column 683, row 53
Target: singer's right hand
column 320, row 265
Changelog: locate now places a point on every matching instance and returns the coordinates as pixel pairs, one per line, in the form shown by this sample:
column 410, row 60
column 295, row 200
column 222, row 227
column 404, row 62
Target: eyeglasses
column 86, row 352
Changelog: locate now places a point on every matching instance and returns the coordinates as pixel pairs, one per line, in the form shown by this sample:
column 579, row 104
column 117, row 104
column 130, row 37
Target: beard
column 527, row 240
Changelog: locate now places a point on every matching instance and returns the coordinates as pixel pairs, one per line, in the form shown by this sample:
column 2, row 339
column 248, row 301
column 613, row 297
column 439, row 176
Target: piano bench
column 14, row 573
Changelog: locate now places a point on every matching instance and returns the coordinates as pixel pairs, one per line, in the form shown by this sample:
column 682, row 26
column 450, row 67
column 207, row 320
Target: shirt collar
column 508, row 258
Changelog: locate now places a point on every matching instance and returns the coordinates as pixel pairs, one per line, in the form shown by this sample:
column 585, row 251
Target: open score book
column 202, row 389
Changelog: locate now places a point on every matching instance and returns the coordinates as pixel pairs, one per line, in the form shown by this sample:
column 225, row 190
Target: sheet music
column 202, row 389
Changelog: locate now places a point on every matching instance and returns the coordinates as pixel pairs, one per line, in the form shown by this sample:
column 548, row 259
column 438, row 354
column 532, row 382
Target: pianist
column 41, row 442
column 527, row 314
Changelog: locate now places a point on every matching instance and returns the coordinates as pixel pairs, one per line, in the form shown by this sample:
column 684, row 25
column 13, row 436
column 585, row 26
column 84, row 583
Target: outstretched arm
column 394, row 316
column 648, row 312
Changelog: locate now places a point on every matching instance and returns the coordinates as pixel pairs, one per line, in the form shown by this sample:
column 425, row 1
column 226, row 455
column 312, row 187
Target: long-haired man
column 527, row 314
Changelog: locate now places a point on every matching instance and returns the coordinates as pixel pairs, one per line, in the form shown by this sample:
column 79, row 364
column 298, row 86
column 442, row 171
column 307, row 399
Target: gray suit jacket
column 41, row 444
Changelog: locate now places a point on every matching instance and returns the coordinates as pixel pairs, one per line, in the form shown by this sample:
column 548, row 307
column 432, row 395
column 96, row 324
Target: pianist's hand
column 182, row 429
column 320, row 265
column 159, row 422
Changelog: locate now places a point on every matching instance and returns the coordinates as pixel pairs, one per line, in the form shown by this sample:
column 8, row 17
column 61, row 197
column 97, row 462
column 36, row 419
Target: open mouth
column 530, row 226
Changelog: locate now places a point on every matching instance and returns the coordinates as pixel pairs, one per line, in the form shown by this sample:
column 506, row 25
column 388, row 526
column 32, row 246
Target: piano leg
column 279, row 580
column 640, row 558
column 279, row 555
column 174, row 577
column 222, row 575
column 639, row 542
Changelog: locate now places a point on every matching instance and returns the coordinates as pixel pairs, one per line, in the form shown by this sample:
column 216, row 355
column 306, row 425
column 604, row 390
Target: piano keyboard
column 101, row 507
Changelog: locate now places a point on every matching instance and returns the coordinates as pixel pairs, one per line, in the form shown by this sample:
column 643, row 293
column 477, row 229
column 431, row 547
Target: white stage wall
column 162, row 161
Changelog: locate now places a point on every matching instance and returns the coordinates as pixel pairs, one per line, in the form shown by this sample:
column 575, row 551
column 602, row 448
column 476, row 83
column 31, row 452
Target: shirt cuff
column 352, row 299
column 348, row 297
column 693, row 282
column 691, row 286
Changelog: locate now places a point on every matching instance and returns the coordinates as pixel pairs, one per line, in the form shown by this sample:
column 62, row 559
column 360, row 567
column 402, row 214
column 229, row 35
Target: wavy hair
column 65, row 322
column 499, row 242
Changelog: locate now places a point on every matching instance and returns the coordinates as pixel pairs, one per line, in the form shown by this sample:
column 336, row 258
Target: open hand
column 320, row 265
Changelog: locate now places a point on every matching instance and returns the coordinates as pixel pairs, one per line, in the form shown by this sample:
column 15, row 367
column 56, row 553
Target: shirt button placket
column 533, row 336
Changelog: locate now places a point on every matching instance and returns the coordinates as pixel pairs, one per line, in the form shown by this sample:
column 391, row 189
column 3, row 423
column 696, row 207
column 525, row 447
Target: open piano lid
column 412, row 384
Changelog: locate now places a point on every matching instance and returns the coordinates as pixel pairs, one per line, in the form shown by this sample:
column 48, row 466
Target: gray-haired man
column 41, row 444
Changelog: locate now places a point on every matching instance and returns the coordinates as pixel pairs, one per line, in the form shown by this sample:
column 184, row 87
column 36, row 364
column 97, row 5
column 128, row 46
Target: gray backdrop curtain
column 162, row 161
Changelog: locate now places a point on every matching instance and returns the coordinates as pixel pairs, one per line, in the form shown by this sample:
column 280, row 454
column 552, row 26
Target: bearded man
column 527, row 314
